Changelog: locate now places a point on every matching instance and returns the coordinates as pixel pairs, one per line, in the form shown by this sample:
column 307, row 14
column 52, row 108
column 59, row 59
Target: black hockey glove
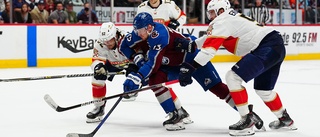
column 186, row 71
column 100, row 72
column 132, row 68
column 184, row 45
column 174, row 24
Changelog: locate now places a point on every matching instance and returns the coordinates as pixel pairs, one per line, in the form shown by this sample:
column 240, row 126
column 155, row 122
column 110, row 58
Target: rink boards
column 44, row 45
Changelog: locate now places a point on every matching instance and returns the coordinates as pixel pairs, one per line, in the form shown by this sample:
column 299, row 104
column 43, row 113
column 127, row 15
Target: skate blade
column 244, row 132
column 262, row 129
column 96, row 120
column 187, row 120
column 175, row 127
column 288, row 128
column 129, row 99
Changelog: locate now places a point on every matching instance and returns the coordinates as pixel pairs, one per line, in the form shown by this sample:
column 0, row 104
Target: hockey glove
column 132, row 82
column 184, row 45
column 186, row 71
column 100, row 72
column 131, row 68
column 174, row 24
column 139, row 60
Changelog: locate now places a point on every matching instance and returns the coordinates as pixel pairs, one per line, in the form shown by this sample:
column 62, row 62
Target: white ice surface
column 24, row 113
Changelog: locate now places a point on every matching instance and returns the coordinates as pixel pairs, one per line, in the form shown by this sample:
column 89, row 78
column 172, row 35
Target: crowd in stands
column 47, row 11
column 61, row 11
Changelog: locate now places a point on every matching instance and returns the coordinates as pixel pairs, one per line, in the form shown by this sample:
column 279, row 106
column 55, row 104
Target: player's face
column 110, row 43
column 153, row 1
column 142, row 33
column 211, row 14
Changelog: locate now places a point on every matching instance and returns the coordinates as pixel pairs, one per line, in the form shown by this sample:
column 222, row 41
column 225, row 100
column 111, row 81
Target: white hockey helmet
column 107, row 31
column 216, row 5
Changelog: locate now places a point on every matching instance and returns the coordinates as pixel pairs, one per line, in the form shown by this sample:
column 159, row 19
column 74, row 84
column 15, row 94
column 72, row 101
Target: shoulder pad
column 142, row 5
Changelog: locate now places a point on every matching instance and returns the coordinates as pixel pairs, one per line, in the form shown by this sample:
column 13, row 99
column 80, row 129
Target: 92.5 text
column 298, row 37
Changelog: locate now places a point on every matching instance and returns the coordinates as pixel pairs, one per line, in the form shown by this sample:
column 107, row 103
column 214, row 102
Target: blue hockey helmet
column 142, row 20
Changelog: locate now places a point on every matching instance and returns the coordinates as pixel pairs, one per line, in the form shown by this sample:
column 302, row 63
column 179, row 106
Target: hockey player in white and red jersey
column 164, row 12
column 107, row 58
column 262, row 51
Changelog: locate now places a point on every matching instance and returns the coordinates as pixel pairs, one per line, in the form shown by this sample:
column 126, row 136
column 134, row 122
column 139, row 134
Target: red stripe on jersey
column 99, row 91
column 275, row 104
column 213, row 42
column 231, row 44
column 239, row 97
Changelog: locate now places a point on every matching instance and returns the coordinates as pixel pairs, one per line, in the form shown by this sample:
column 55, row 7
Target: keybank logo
column 76, row 45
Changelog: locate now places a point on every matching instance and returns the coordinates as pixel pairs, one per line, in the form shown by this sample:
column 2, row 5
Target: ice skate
column 130, row 97
column 96, row 114
column 174, row 122
column 283, row 123
column 258, row 121
column 244, row 127
column 184, row 116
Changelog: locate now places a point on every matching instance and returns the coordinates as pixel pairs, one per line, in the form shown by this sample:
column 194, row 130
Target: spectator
column 260, row 13
column 6, row 14
column 17, row 4
column 2, row 5
column 59, row 16
column 235, row 4
column 105, row 3
column 271, row 3
column 84, row 17
column 86, row 5
column 77, row 2
column 71, row 14
column 32, row 3
column 49, row 6
column 127, row 3
column 1, row 20
column 24, row 16
column 39, row 14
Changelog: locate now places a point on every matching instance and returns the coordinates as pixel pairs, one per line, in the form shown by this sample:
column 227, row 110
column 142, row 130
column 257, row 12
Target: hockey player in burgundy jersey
column 151, row 46
column 164, row 11
column 262, row 51
column 106, row 58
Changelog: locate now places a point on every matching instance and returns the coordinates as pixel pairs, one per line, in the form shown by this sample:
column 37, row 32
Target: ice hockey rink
column 25, row 113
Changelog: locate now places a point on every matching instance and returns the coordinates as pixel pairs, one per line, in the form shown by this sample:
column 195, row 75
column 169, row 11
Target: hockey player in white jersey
column 164, row 11
column 106, row 58
column 262, row 51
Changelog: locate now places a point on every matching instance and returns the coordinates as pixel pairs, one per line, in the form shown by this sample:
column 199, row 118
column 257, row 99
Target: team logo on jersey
column 207, row 81
column 154, row 34
column 165, row 61
column 209, row 30
column 129, row 37
column 95, row 53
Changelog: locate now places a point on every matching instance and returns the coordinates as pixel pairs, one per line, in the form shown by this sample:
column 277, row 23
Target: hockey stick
column 57, row 76
column 100, row 124
column 58, row 108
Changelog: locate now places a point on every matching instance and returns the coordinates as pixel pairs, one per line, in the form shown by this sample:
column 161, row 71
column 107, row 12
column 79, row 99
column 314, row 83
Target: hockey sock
column 175, row 99
column 164, row 98
column 272, row 100
column 98, row 92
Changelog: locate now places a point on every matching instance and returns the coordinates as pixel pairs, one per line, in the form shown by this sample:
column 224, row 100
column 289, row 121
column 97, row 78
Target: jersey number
column 250, row 19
